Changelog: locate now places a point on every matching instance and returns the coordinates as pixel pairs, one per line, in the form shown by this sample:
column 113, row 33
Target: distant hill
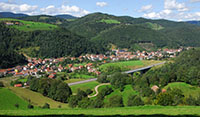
column 12, row 15
column 45, row 18
column 65, row 16
column 194, row 22
column 126, row 32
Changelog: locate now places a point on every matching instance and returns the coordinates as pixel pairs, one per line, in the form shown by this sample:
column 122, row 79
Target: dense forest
column 9, row 57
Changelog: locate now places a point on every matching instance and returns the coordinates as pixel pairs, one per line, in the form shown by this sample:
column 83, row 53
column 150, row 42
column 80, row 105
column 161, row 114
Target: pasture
column 84, row 86
column 29, row 25
column 35, row 98
column 110, row 21
column 140, row 110
column 127, row 65
column 8, row 100
column 187, row 89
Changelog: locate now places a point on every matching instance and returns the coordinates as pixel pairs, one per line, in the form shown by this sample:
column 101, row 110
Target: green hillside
column 125, row 36
column 129, row 111
column 8, row 100
column 126, row 31
column 29, row 25
column 186, row 88
column 45, row 19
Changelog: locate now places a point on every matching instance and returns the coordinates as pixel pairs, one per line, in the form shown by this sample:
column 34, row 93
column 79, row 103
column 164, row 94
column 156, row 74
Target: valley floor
column 141, row 110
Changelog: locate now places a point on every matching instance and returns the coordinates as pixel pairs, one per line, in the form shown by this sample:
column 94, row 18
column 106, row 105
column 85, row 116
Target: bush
column 73, row 101
column 115, row 101
column 89, row 91
column 103, row 78
column 84, row 103
column 105, row 91
column 97, row 103
column 1, row 84
column 134, row 100
column 118, row 80
column 16, row 105
column 46, row 105
column 81, row 94
column 164, row 99
column 30, row 106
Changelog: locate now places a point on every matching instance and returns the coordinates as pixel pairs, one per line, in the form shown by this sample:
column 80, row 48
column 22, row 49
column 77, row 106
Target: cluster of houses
column 51, row 67
column 9, row 23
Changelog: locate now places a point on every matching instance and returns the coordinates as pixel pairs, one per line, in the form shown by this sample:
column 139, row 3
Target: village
column 51, row 66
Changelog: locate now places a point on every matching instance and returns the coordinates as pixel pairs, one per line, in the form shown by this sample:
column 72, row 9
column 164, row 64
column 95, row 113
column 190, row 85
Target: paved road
column 94, row 79
column 84, row 81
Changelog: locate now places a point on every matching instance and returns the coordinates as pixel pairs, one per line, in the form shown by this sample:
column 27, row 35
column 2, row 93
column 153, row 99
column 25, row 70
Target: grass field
column 186, row 88
column 141, row 110
column 109, row 21
column 29, row 25
column 84, row 86
column 8, row 100
column 83, row 76
column 128, row 65
column 73, row 80
column 36, row 99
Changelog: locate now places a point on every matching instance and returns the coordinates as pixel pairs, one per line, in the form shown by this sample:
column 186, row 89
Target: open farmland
column 141, row 110
column 28, row 25
column 8, row 100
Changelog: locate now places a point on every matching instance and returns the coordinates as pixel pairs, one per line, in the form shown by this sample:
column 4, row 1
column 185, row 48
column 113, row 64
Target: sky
column 177, row 10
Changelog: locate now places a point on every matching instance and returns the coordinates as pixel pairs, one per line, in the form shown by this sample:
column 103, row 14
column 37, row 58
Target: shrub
column 84, row 103
column 89, row 91
column 97, row 103
column 1, row 84
column 30, row 106
column 115, row 101
column 46, row 105
column 81, row 94
column 164, row 99
column 73, row 101
column 134, row 100
column 16, row 105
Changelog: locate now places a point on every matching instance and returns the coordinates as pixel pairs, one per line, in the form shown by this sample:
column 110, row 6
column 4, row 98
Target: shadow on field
column 156, row 115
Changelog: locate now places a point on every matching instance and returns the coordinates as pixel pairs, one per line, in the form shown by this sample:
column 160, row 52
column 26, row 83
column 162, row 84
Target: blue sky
column 179, row 10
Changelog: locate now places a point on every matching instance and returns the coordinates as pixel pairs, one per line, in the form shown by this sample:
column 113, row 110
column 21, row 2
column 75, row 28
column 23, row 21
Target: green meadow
column 8, row 100
column 29, row 25
column 109, row 21
column 187, row 89
column 128, row 65
column 140, row 110
column 84, row 86
column 35, row 98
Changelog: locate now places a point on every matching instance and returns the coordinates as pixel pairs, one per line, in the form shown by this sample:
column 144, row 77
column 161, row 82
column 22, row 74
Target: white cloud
column 173, row 5
column 146, row 8
column 101, row 4
column 72, row 10
column 194, row 0
column 174, row 10
column 152, row 15
column 23, row 8
column 180, row 16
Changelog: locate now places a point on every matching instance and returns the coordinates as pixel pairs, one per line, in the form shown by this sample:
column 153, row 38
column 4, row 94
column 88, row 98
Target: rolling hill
column 126, row 31
column 12, row 15
column 194, row 22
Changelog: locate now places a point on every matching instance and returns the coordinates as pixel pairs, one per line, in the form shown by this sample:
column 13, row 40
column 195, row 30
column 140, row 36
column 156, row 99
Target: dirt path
column 96, row 89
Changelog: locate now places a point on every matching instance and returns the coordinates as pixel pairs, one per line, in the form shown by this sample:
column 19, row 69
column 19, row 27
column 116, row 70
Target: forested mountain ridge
column 108, row 29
